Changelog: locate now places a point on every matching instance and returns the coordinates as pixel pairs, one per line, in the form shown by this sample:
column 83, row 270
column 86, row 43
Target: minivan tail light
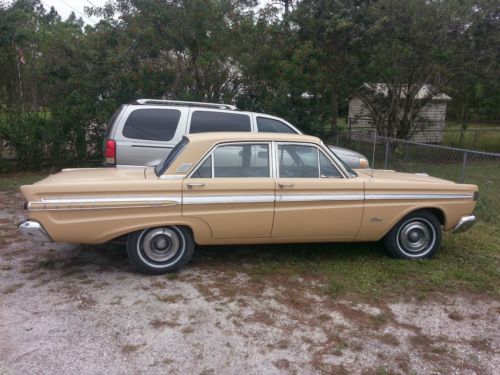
column 110, row 151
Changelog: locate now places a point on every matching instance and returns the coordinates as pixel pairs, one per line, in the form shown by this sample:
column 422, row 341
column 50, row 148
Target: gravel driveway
column 67, row 309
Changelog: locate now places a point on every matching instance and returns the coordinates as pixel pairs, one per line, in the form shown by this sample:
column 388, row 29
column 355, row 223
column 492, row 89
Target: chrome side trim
column 464, row 224
column 101, row 203
column 75, row 200
column 213, row 199
column 33, row 231
column 417, row 196
column 318, row 197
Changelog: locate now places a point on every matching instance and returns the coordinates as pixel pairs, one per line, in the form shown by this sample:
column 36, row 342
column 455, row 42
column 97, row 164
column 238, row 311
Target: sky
column 65, row 7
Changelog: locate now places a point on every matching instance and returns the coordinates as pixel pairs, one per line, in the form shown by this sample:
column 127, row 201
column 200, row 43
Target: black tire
column 416, row 236
column 156, row 251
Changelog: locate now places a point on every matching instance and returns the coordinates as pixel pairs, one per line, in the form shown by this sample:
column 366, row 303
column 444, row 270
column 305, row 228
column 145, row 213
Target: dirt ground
column 68, row 309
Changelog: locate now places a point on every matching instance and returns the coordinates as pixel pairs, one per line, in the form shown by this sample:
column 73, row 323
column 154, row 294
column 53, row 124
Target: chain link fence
column 451, row 163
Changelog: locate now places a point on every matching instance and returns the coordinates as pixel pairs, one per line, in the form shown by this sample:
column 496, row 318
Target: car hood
column 84, row 175
column 390, row 175
column 345, row 152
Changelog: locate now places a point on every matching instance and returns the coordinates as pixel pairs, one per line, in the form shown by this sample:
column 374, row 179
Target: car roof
column 211, row 107
column 216, row 137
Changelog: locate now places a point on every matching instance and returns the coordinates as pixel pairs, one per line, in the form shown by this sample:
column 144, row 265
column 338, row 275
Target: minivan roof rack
column 190, row 104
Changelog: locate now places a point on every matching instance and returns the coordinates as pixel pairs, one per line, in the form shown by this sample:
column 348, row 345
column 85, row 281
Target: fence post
column 462, row 172
column 386, row 156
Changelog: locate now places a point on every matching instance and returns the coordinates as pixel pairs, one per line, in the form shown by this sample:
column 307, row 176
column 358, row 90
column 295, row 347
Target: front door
column 232, row 191
column 313, row 198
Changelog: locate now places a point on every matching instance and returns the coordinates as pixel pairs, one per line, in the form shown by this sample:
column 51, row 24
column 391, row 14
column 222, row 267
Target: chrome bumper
column 33, row 231
column 464, row 224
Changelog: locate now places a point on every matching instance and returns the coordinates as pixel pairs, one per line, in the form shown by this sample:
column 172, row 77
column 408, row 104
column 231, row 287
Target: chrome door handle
column 285, row 185
column 191, row 185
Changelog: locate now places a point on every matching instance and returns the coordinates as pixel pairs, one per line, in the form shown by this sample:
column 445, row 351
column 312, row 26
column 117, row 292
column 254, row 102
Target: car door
column 232, row 191
column 313, row 198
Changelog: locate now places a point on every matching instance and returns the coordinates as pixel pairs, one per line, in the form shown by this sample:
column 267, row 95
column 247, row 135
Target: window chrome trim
column 230, row 143
column 320, row 148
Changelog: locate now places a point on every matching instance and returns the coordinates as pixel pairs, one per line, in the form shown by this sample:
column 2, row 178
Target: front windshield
column 167, row 161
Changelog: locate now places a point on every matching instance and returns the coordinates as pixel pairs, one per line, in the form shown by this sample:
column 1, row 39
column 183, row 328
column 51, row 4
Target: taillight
column 110, row 151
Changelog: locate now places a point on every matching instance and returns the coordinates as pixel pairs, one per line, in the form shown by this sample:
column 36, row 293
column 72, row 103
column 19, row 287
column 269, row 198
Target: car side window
column 242, row 160
column 269, row 125
column 152, row 124
column 301, row 161
column 212, row 121
column 298, row 161
column 327, row 169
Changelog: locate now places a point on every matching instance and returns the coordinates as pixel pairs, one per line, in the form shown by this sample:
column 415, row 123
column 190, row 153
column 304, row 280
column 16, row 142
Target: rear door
column 232, row 191
column 147, row 133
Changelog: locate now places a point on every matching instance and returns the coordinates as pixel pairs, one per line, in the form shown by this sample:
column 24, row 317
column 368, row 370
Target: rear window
column 209, row 121
column 152, row 124
column 269, row 125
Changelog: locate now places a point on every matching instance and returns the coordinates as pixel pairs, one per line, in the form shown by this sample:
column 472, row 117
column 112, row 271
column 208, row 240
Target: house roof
column 423, row 92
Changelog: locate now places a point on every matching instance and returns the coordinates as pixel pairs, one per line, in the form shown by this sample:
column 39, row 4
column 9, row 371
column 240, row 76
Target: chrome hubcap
column 161, row 244
column 415, row 237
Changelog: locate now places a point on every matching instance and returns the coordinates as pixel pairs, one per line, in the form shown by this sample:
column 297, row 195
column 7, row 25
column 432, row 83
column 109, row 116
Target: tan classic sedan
column 241, row 188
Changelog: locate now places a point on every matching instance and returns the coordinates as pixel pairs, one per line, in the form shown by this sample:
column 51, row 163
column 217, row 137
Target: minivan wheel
column 417, row 236
column 159, row 250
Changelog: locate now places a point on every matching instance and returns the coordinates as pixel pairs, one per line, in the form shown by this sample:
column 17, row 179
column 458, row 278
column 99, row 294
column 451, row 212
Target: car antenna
column 373, row 151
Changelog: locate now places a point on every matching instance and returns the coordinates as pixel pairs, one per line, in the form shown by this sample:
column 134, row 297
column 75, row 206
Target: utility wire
column 91, row 3
column 76, row 10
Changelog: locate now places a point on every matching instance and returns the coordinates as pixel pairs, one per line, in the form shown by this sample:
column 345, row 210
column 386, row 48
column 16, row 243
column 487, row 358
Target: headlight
column 363, row 163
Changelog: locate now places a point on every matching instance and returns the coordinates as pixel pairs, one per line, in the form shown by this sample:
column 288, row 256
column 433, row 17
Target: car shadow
column 286, row 253
column 112, row 257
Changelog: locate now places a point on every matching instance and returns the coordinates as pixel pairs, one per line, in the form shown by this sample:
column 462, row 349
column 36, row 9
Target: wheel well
column 438, row 214
column 189, row 229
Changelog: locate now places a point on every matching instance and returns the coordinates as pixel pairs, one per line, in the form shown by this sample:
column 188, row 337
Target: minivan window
column 269, row 125
column 211, row 121
column 152, row 124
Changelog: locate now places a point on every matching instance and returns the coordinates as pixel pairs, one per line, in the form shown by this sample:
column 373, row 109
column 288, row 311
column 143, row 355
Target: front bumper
column 464, row 224
column 33, row 231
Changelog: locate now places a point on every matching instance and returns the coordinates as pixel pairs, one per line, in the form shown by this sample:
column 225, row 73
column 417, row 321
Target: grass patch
column 467, row 262
column 485, row 137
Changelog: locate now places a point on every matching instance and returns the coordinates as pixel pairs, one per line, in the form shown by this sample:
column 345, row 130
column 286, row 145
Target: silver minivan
column 143, row 132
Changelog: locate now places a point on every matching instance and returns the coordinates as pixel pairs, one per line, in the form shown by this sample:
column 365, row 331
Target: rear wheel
column 417, row 236
column 159, row 250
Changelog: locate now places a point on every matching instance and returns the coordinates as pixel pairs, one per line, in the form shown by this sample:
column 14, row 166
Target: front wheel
column 159, row 250
column 417, row 236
